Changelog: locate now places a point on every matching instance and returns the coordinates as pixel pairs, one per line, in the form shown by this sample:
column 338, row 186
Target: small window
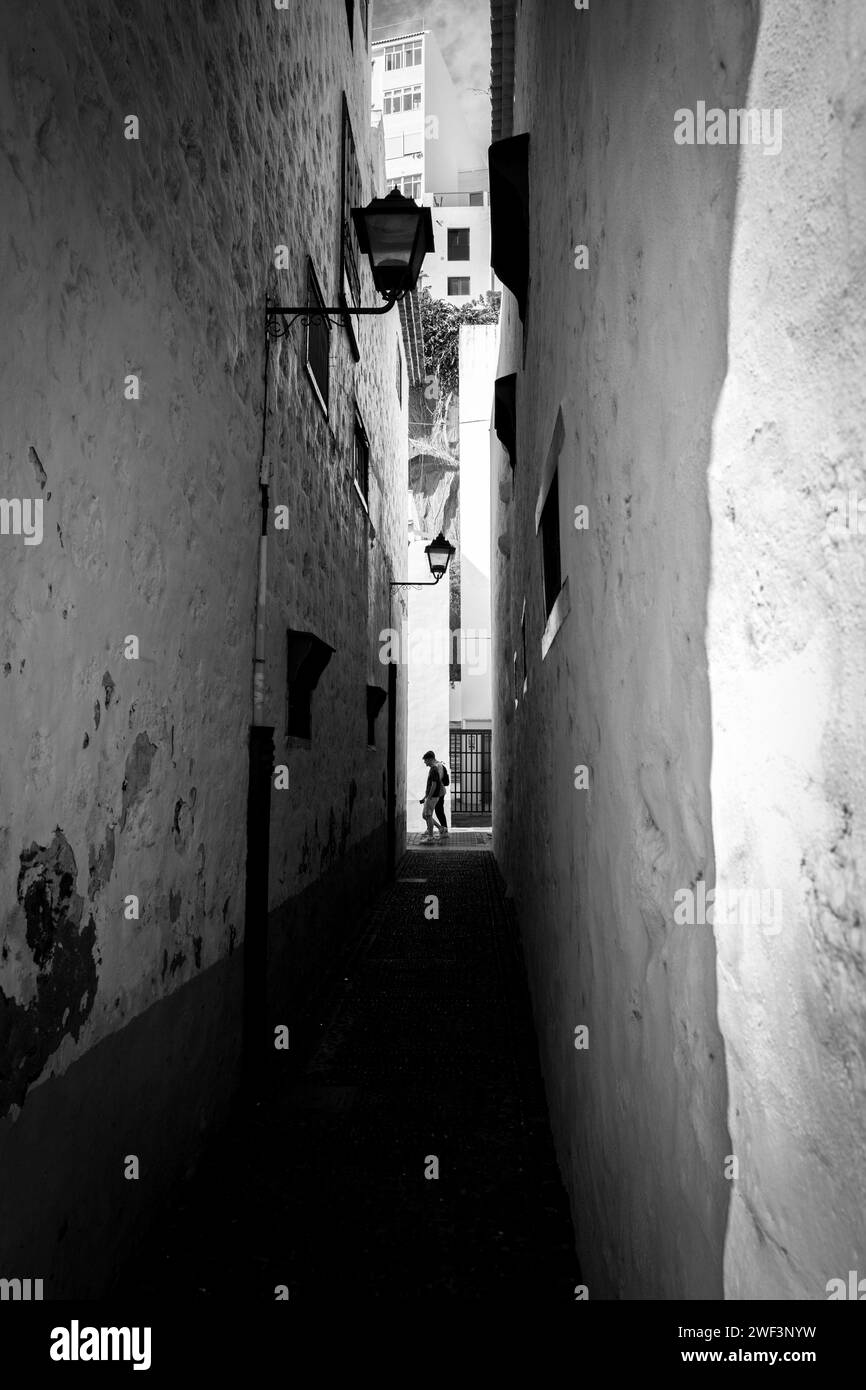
column 361, row 457
column 458, row 284
column 376, row 698
column 318, row 341
column 458, row 243
column 476, row 200
column 401, row 99
column 307, row 657
column 402, row 55
column 351, row 196
column 408, row 184
column 550, row 545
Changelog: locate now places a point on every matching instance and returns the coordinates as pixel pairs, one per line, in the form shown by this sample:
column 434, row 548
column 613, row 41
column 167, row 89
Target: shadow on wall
column 733, row 28
column 633, row 358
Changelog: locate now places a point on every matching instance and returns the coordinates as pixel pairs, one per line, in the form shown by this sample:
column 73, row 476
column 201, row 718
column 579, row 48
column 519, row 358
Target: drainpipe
column 261, row 762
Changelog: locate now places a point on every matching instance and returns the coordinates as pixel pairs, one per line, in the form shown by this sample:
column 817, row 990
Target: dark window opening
column 318, row 341
column 505, row 414
column 550, row 546
column 376, row 698
column 458, row 243
column 509, row 215
column 361, row 457
column 476, row 200
column 351, row 196
column 307, row 656
column 458, row 284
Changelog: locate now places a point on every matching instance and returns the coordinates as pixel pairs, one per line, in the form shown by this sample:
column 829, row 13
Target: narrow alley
column 432, row 668
column 425, row 1051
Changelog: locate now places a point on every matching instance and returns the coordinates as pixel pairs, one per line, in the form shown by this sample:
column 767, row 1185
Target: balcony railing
column 456, row 200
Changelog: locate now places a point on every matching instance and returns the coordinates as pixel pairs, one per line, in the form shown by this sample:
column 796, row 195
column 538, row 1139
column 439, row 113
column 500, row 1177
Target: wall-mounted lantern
column 438, row 553
column 395, row 234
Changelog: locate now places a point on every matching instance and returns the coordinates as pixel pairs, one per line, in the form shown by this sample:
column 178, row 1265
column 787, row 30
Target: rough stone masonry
column 153, row 157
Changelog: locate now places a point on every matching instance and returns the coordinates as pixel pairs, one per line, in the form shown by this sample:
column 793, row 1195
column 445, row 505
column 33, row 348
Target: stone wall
column 787, row 662
column 700, row 383
column 150, row 257
column 621, row 371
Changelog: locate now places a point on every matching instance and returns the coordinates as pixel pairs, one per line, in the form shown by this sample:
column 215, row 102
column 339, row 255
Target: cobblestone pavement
column 454, row 840
column 426, row 1049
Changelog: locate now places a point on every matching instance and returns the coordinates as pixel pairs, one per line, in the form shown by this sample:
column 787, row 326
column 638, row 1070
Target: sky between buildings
column 462, row 29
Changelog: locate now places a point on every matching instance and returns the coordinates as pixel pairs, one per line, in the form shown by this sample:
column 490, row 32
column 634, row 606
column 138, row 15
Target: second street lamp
column 438, row 553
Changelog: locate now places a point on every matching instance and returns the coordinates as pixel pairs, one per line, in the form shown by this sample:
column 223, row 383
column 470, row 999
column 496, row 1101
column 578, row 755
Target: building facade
column 431, row 157
column 471, row 700
column 171, row 171
column 679, row 634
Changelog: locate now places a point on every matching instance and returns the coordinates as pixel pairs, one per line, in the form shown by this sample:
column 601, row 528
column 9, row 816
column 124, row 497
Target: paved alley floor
column 425, row 1061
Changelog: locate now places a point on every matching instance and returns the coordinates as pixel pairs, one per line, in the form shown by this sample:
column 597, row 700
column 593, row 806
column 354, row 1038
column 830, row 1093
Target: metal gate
column 469, row 770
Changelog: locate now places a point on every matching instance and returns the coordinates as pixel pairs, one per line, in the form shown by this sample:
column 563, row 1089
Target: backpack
column 446, row 780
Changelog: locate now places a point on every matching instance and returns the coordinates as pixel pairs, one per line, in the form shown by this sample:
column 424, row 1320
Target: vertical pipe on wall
column 261, row 755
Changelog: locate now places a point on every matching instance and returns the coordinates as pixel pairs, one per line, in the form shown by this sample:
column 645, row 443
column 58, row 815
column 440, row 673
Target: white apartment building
column 431, row 156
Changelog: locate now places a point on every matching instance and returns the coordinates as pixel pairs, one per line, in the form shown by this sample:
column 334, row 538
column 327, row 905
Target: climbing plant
column 440, row 324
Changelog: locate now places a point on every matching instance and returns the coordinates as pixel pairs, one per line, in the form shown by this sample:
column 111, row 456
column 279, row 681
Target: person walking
column 439, row 811
column 433, row 795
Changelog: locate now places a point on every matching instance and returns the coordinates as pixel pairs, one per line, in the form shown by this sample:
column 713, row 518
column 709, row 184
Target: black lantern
column 438, row 553
column 396, row 234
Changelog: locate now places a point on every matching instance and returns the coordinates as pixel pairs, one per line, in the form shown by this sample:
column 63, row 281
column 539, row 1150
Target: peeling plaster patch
column 109, row 688
column 136, row 774
column 63, row 958
column 304, row 865
column 184, row 821
column 36, row 463
column 101, row 863
column 334, row 849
